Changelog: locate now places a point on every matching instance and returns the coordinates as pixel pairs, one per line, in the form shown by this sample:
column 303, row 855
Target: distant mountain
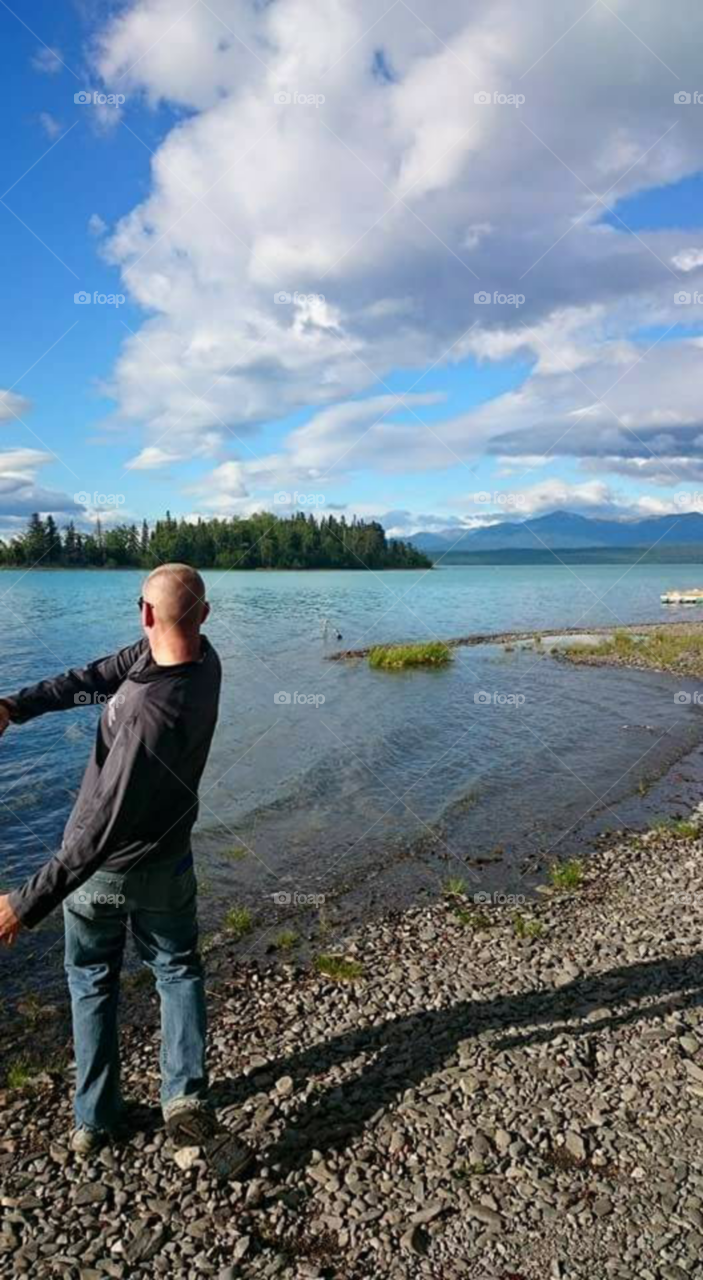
column 565, row 531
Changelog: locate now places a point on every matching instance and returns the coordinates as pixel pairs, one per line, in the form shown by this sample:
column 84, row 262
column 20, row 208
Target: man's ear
column 148, row 614
column 206, row 613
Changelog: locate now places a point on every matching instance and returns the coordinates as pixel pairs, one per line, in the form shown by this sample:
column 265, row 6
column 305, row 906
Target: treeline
column 261, row 541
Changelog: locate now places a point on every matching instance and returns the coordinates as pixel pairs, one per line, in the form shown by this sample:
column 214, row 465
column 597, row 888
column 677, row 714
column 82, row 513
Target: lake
column 328, row 778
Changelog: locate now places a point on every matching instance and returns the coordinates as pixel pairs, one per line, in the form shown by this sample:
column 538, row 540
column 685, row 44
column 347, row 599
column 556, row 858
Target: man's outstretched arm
column 102, row 677
column 140, row 764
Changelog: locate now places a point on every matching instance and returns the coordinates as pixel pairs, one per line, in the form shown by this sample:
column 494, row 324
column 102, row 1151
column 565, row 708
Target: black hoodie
column 139, row 796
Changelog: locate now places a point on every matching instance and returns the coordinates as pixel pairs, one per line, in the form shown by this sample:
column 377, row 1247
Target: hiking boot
column 87, row 1142
column 226, row 1157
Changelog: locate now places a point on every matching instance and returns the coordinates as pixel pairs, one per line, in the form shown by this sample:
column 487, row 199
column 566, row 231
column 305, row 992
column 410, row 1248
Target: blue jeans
column 158, row 907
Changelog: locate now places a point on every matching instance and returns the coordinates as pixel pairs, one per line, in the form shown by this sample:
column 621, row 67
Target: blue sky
column 381, row 210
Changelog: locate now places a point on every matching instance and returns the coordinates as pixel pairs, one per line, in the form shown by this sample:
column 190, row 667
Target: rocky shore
column 492, row 1094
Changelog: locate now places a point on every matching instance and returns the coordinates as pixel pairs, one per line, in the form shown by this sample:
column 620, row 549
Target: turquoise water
column 389, row 766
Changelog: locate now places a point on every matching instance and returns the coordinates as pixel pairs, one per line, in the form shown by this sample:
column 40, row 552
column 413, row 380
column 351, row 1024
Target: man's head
column 173, row 602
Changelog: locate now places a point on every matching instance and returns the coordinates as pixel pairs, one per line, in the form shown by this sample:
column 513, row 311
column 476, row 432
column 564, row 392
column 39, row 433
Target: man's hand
column 4, row 718
column 9, row 923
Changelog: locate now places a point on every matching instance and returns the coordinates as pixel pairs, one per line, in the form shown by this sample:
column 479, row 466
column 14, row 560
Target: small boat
column 692, row 596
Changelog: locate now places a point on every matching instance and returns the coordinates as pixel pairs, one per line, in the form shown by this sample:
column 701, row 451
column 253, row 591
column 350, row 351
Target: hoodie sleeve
column 139, row 768
column 74, row 688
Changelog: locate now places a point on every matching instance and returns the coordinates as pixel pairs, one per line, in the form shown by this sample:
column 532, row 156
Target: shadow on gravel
column 407, row 1050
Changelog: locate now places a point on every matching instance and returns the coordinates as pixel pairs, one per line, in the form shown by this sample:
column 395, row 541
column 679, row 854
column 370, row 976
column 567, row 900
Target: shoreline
column 479, row 1090
column 410, row 872
column 485, row 1097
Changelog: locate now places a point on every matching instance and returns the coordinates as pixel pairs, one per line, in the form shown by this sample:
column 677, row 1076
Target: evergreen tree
column 260, row 541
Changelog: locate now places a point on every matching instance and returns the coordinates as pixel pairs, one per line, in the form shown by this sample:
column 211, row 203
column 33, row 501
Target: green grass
column 526, row 928
column 566, row 875
column 400, row 656
column 238, row 922
column 471, row 1169
column 454, row 887
column 20, row 1073
column 685, row 830
column 325, row 924
column 476, row 920
column 665, row 649
column 286, row 940
column 338, row 968
column 623, row 642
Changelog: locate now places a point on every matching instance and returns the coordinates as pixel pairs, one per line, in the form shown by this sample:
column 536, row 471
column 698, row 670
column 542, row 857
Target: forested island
column 261, row 541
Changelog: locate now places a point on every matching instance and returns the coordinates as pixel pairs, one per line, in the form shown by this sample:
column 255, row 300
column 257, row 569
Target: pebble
column 475, row 1108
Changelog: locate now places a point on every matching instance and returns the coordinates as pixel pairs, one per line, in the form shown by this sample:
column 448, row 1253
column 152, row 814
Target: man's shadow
column 404, row 1051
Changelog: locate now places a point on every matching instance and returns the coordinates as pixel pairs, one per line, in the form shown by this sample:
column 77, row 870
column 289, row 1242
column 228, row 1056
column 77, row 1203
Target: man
column 126, row 860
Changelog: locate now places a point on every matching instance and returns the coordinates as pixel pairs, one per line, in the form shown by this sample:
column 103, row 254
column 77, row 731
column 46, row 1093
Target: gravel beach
column 497, row 1095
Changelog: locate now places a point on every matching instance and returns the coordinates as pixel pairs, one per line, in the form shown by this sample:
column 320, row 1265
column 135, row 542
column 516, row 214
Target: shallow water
column 405, row 778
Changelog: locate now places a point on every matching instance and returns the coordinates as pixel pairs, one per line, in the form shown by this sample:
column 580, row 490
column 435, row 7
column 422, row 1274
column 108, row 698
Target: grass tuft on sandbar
column 401, row 656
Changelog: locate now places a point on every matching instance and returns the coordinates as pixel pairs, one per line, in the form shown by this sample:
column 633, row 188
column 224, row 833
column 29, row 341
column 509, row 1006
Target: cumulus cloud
column 20, row 494
column 688, row 259
column 353, row 164
column 589, row 498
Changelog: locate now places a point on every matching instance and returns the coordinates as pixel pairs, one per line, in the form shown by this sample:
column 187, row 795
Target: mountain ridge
column 566, row 530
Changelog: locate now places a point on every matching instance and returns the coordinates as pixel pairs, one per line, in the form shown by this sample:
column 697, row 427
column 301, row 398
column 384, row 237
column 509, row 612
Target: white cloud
column 390, row 198
column 154, row 457
column 51, row 126
column 20, row 494
column 590, row 498
column 688, row 259
column 96, row 225
column 47, row 61
column 12, row 406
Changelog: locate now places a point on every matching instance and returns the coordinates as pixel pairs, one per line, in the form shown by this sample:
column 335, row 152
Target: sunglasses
column 141, row 602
